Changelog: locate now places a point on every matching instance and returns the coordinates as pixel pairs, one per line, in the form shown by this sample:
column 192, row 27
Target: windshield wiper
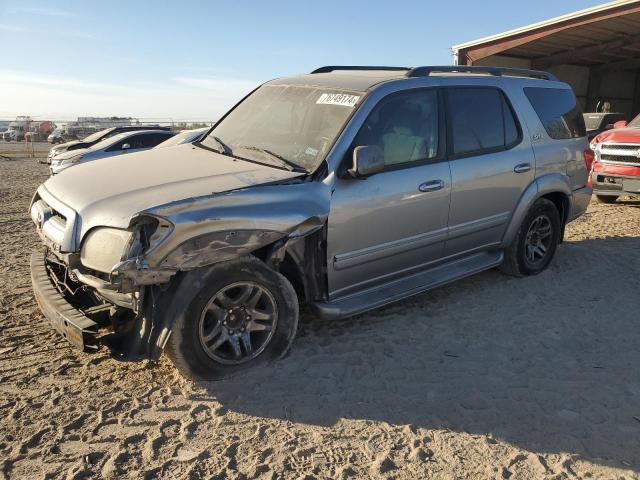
column 222, row 147
column 278, row 159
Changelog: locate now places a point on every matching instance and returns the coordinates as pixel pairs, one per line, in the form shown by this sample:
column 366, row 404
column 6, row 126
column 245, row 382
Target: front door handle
column 431, row 186
column 522, row 167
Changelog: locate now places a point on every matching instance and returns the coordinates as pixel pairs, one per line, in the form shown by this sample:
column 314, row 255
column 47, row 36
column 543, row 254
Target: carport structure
column 596, row 50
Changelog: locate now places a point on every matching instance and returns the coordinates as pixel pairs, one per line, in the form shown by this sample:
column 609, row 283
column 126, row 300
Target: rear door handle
column 431, row 186
column 522, row 167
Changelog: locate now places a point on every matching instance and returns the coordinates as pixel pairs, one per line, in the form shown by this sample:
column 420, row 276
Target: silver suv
column 347, row 189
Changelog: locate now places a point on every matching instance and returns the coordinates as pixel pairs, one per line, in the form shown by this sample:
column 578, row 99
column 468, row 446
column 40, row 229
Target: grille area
column 621, row 147
column 624, row 154
column 41, row 212
column 55, row 222
column 49, row 221
column 606, row 157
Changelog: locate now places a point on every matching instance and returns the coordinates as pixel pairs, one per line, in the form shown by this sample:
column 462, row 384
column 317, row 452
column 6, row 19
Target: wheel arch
column 555, row 187
column 301, row 260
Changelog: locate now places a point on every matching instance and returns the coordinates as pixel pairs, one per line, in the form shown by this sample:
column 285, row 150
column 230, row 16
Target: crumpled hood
column 622, row 135
column 110, row 191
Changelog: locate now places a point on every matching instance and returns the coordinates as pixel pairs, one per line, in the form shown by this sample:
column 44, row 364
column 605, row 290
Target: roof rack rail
column 497, row 71
column 333, row 68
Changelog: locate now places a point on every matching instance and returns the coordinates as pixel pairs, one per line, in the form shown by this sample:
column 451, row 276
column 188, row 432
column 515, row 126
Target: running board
column 400, row 289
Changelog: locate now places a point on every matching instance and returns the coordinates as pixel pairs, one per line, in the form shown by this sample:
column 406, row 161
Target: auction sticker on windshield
column 338, row 99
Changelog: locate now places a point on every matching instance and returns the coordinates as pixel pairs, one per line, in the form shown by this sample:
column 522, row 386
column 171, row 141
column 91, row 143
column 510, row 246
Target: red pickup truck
column 616, row 167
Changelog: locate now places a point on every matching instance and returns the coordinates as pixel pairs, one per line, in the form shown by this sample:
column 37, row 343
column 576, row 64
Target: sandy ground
column 491, row 377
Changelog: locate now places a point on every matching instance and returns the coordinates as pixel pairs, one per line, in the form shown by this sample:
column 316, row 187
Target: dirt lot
column 22, row 149
column 491, row 377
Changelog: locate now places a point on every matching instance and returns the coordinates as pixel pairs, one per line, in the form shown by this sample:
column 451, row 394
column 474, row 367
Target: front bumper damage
column 71, row 322
column 128, row 308
column 83, row 315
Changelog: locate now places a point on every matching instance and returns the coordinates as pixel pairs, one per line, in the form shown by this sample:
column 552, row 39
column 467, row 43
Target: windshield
column 635, row 122
column 283, row 124
column 94, row 137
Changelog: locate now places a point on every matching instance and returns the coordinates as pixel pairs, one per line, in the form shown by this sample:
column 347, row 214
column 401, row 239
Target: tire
column 608, row 199
column 517, row 261
column 202, row 305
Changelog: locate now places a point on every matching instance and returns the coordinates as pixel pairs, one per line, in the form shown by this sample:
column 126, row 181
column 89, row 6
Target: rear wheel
column 536, row 241
column 232, row 316
column 607, row 198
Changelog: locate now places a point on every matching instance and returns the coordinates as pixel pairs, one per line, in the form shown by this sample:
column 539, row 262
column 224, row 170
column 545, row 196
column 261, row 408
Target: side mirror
column 367, row 160
column 126, row 146
column 620, row 124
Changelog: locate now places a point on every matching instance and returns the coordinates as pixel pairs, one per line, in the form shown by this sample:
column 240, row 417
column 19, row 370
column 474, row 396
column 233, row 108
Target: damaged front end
column 75, row 309
column 113, row 286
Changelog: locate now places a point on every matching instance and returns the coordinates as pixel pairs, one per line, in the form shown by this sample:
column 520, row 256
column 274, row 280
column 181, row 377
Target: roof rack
column 333, row 68
column 428, row 70
column 497, row 71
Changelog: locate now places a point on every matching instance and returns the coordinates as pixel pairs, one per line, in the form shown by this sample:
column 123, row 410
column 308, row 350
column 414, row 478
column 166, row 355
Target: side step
column 387, row 293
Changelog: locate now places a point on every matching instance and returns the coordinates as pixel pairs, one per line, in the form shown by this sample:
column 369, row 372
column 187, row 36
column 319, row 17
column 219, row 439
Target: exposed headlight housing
column 105, row 247
column 151, row 232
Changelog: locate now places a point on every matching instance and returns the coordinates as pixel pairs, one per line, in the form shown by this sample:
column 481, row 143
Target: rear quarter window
column 558, row 111
column 481, row 121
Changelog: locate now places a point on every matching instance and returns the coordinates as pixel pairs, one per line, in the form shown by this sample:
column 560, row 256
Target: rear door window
column 558, row 111
column 481, row 121
column 150, row 140
column 134, row 141
column 137, row 141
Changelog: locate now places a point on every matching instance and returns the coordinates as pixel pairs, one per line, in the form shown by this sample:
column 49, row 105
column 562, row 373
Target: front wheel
column 536, row 241
column 231, row 317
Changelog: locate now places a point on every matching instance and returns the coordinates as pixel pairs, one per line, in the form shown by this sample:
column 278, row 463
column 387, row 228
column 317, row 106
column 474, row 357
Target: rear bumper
column 76, row 327
column 579, row 202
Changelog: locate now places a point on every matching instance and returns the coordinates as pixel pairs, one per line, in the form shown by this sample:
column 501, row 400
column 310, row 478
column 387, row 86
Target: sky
column 192, row 60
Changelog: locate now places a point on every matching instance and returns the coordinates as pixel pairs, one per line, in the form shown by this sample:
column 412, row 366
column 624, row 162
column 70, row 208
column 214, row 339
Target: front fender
column 546, row 184
column 215, row 228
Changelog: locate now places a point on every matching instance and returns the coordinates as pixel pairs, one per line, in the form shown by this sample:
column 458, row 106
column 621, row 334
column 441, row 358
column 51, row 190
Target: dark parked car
column 597, row 123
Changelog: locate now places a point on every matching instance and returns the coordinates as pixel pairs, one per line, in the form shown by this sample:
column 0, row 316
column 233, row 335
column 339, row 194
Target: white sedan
column 116, row 145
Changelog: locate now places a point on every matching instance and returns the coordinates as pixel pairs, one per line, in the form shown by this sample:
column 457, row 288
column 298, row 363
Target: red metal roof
column 598, row 35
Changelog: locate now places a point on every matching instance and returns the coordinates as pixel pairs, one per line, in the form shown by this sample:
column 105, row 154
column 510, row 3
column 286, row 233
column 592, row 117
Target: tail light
column 589, row 159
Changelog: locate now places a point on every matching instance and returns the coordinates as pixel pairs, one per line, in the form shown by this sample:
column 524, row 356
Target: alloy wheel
column 538, row 239
column 238, row 322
